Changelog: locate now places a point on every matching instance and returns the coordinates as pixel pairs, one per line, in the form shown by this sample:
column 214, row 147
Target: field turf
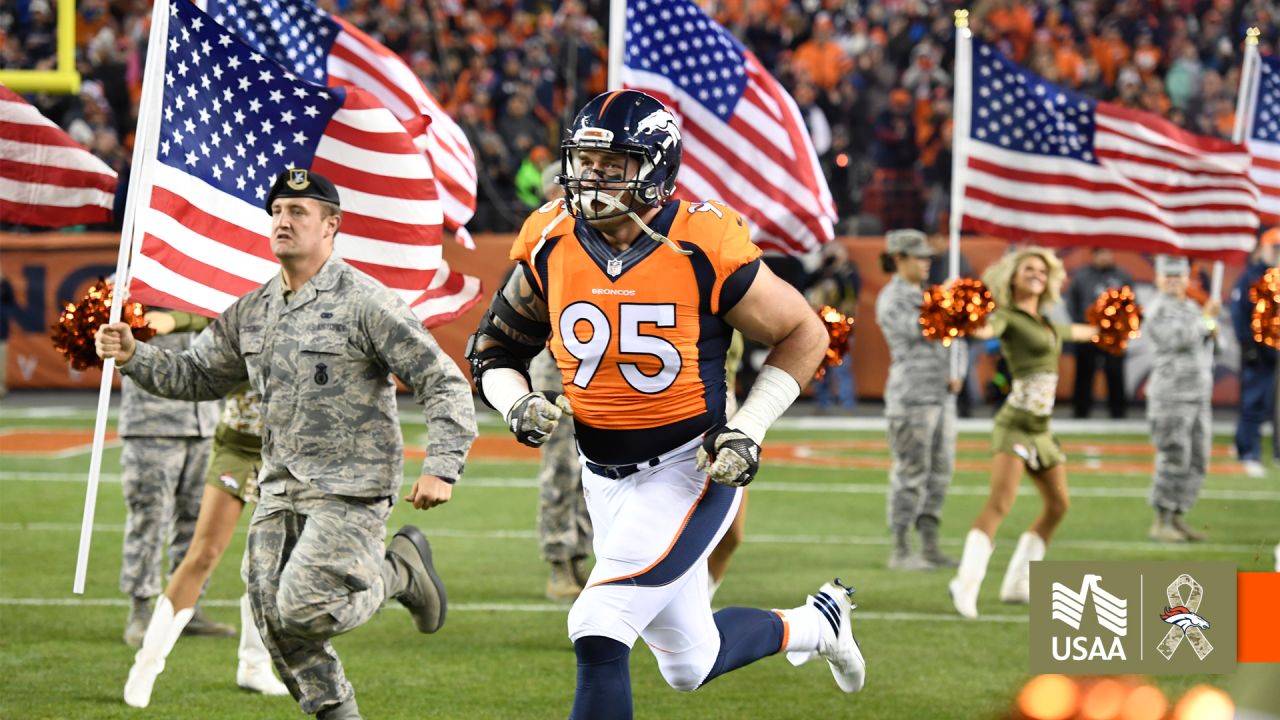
column 816, row 512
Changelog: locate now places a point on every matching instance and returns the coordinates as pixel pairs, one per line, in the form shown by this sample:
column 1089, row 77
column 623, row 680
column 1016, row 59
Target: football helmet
column 640, row 129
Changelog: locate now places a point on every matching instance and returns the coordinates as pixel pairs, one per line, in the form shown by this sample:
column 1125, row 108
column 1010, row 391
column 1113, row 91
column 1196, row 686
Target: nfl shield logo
column 614, row 268
column 298, row 179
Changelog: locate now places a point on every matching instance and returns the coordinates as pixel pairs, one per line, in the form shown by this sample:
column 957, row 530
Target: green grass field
column 504, row 653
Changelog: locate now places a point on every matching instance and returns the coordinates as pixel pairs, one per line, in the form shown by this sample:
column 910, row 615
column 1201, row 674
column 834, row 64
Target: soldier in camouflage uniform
column 920, row 405
column 165, row 452
column 564, row 527
column 1178, row 391
column 320, row 343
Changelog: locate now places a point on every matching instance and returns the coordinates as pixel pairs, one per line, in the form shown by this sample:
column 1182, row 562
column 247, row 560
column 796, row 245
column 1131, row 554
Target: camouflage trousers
column 922, row 441
column 1181, row 434
column 564, row 527
column 316, row 569
column 163, row 481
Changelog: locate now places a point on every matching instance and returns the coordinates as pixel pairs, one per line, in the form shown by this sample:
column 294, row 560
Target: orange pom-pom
column 839, row 328
column 1118, row 317
column 78, row 323
column 957, row 311
column 1265, row 319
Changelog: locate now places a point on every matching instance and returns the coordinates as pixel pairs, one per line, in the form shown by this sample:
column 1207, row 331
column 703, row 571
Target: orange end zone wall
column 49, row 268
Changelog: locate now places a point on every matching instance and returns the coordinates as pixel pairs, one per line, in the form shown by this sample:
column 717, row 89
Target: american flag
column 1263, row 139
column 230, row 120
column 327, row 49
column 1049, row 165
column 46, row 178
column 744, row 140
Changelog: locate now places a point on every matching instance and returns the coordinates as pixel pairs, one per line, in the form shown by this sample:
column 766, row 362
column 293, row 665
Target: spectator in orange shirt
column 1153, row 98
column 1110, row 51
column 821, row 59
column 1146, row 56
column 1015, row 23
column 1071, row 68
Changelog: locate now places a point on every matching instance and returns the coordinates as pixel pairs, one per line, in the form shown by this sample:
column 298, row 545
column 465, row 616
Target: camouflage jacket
column 1182, row 358
column 145, row 415
column 918, row 368
column 322, row 361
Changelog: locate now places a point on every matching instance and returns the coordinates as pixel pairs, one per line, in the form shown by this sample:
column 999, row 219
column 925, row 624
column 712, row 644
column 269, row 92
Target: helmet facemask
column 595, row 185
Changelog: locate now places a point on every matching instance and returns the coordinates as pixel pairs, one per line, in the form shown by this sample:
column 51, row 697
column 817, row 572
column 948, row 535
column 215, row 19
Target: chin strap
column 563, row 214
column 616, row 204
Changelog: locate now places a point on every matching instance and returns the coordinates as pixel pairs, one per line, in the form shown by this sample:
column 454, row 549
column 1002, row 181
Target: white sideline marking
column 834, row 488
column 752, row 538
column 858, row 615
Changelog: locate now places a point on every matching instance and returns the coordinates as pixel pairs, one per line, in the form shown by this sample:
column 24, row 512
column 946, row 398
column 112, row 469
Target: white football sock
column 803, row 629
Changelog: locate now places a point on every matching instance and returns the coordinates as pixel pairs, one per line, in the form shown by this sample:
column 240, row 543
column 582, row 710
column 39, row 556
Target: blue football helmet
column 638, row 127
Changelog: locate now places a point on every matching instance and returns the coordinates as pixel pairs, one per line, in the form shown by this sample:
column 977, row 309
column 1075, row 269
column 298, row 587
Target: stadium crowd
column 873, row 80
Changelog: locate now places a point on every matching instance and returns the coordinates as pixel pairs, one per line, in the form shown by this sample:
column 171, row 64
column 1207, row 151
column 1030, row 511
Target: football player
column 638, row 294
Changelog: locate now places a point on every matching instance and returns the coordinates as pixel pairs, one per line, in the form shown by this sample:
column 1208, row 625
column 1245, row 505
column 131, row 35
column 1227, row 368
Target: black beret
column 300, row 182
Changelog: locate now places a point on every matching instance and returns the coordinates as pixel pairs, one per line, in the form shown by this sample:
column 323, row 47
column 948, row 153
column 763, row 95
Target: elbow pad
column 508, row 352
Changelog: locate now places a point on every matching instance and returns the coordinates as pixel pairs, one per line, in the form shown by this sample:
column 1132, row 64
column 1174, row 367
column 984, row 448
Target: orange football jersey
column 639, row 336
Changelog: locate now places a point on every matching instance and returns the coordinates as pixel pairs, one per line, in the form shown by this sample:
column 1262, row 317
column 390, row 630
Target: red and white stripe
column 761, row 163
column 201, row 248
column 1265, row 172
column 46, row 178
column 359, row 60
column 1156, row 188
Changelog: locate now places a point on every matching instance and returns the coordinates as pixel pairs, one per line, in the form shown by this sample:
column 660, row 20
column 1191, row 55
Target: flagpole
column 617, row 36
column 1246, row 100
column 139, row 184
column 960, row 108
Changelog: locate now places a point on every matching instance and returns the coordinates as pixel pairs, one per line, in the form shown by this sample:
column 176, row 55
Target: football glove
column 729, row 456
column 534, row 417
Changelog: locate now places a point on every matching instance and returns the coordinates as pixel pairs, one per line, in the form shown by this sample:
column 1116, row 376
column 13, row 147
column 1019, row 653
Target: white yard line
column 975, row 490
column 752, row 538
column 858, row 615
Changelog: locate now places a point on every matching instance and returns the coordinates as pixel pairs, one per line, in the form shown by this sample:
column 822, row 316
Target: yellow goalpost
column 63, row 81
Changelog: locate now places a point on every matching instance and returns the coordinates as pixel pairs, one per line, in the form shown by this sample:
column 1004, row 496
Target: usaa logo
column 1111, row 612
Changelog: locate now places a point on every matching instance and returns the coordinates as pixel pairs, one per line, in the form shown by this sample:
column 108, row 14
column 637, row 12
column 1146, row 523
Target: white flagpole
column 617, row 37
column 961, row 103
column 139, row 185
column 1246, row 100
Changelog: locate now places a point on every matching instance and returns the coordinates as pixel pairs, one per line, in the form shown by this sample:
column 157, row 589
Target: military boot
column 1163, row 530
column 202, row 624
column 901, row 557
column 562, row 583
column 1184, row 529
column 420, row 589
column 135, row 628
column 346, row 711
column 932, row 554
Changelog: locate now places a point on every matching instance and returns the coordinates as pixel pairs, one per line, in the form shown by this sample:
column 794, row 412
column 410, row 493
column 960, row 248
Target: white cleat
column 835, row 641
column 1254, row 469
column 259, row 678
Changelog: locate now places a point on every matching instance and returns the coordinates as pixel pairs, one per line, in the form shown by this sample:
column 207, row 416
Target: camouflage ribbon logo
column 1184, row 617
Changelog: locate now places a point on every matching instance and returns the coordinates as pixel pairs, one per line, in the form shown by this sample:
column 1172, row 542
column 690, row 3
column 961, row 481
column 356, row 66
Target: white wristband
column 503, row 388
column 773, row 392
